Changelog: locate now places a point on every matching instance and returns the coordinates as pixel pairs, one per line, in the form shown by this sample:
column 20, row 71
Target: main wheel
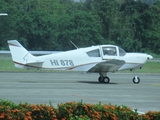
column 136, row 80
column 100, row 79
column 106, row 79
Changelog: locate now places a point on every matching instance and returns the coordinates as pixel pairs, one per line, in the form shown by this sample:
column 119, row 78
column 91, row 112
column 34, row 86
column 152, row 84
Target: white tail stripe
column 26, row 65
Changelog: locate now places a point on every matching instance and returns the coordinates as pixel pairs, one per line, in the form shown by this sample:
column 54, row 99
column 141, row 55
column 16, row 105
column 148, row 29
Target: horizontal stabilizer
column 35, row 62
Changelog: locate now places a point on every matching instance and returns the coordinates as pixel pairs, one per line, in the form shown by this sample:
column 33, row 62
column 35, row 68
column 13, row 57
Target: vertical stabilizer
column 19, row 54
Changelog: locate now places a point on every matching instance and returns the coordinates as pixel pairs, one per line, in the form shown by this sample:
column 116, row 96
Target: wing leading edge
column 107, row 66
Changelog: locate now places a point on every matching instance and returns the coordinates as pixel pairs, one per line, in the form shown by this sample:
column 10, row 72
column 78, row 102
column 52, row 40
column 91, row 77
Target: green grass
column 150, row 67
column 6, row 64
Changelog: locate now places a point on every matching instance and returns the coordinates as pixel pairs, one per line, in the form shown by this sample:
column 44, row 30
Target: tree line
column 52, row 24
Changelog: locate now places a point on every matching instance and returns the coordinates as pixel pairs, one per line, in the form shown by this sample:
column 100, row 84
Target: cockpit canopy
column 106, row 50
column 113, row 51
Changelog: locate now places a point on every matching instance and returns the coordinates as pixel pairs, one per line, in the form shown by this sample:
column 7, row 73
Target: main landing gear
column 103, row 78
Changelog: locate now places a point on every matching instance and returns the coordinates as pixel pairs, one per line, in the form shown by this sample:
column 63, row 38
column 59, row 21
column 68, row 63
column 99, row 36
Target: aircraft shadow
column 95, row 82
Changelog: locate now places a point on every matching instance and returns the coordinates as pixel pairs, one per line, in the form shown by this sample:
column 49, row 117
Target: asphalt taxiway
column 61, row 87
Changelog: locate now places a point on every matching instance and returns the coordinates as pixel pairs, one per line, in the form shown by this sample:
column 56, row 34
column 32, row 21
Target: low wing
column 107, row 66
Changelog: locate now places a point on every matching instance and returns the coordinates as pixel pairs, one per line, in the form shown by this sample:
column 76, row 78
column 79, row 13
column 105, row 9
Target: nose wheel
column 136, row 80
column 103, row 79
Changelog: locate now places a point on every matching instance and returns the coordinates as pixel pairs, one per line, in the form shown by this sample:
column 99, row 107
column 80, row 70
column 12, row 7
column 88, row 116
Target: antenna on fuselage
column 74, row 44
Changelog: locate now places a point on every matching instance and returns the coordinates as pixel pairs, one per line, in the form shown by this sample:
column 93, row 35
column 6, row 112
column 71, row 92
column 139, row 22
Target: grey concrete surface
column 61, row 87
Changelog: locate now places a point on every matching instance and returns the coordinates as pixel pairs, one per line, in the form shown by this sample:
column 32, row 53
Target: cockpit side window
column 121, row 52
column 111, row 51
column 94, row 53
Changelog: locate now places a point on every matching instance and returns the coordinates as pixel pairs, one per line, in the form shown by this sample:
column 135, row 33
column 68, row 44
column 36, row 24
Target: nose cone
column 149, row 57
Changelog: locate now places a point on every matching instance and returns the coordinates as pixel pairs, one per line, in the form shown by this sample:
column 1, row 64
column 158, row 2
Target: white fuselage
column 79, row 60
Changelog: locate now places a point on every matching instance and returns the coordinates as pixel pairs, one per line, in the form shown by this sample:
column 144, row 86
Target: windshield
column 121, row 52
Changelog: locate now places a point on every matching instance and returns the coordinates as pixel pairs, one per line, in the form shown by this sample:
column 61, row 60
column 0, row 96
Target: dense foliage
column 71, row 111
column 52, row 24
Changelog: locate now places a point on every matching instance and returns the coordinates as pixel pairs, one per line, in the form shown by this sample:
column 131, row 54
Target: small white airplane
column 95, row 59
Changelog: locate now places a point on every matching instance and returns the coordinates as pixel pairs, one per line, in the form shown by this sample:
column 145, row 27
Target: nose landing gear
column 135, row 79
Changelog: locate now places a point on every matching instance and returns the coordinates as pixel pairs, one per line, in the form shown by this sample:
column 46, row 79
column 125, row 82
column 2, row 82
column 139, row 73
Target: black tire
column 136, row 81
column 100, row 79
column 106, row 80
